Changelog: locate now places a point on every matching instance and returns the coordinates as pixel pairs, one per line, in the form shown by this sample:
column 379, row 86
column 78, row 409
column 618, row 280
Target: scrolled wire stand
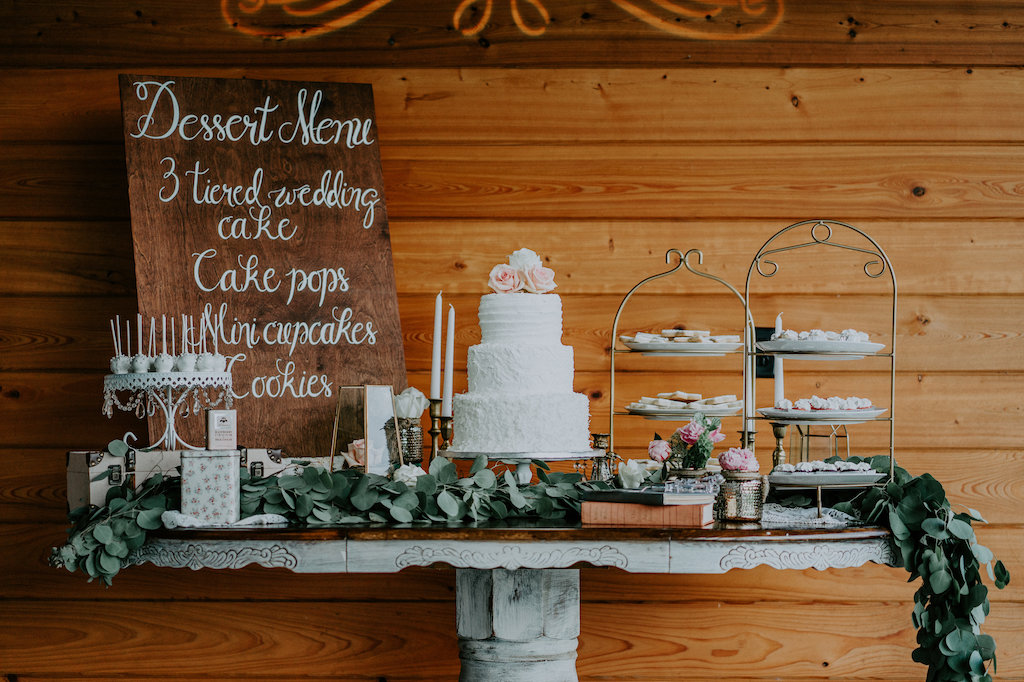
column 748, row 428
column 172, row 394
column 822, row 233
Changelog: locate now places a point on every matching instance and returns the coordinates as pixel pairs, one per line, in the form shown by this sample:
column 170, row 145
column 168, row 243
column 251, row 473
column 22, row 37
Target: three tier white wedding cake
column 520, row 397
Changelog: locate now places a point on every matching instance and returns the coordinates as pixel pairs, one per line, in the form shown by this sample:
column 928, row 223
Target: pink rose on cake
column 539, row 280
column 504, row 279
column 659, row 450
column 738, row 459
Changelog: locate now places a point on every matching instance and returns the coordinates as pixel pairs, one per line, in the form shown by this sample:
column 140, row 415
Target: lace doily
column 175, row 519
column 775, row 515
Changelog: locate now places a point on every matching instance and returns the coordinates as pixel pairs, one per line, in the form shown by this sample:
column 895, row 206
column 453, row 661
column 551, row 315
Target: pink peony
column 690, row 433
column 538, row 279
column 504, row 279
column 717, row 436
column 738, row 459
column 659, row 450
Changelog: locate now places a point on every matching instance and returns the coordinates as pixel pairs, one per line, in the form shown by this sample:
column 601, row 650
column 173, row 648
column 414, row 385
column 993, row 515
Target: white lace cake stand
column 522, row 459
column 172, row 393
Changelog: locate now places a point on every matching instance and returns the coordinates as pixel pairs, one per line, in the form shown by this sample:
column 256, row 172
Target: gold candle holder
column 446, row 432
column 435, row 426
column 779, row 455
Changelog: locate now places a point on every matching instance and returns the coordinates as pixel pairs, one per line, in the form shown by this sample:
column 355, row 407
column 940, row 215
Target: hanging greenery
column 938, row 546
column 935, row 543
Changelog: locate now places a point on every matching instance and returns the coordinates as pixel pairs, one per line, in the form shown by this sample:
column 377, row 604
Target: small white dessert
column 163, row 363
column 205, row 362
column 140, row 363
column 120, row 364
column 220, row 363
column 186, row 362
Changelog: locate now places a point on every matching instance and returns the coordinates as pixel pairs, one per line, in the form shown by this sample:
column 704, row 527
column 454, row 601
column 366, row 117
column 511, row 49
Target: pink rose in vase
column 690, row 433
column 659, row 450
column 539, row 279
column 738, row 459
column 504, row 279
column 717, row 436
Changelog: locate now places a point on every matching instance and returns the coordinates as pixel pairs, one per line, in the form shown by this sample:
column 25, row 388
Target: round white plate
column 674, row 348
column 803, row 417
column 820, row 350
column 673, row 413
column 824, row 477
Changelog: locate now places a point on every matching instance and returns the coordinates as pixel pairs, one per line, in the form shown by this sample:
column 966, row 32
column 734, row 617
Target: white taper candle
column 435, row 357
column 780, row 386
column 449, row 364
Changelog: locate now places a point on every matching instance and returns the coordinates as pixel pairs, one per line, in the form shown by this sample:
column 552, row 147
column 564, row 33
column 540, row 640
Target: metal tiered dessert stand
column 747, row 430
column 172, row 394
column 822, row 235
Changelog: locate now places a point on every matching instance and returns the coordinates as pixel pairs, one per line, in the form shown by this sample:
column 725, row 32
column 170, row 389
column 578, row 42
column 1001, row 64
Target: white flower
column 523, row 259
column 408, row 473
column 632, row 472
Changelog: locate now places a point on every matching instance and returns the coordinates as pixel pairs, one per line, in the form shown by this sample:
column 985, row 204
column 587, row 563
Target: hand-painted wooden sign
column 258, row 209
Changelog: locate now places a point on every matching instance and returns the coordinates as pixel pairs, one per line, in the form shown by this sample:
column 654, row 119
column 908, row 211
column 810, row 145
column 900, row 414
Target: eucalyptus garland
column 935, row 543
column 938, row 546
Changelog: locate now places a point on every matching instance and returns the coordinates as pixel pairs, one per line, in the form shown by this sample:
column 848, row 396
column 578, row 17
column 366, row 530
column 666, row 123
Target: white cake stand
column 171, row 393
column 522, row 460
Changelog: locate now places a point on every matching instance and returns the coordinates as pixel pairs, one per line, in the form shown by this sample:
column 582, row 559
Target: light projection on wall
column 693, row 19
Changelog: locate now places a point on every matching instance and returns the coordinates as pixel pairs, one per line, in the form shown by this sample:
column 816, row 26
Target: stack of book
column 647, row 507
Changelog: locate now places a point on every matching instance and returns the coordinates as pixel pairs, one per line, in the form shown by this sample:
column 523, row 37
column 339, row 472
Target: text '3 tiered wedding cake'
column 520, row 397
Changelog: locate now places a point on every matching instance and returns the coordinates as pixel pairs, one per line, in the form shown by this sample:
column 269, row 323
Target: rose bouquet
column 738, row 459
column 689, row 445
column 524, row 272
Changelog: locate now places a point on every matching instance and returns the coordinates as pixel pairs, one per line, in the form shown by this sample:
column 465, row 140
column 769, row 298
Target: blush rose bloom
column 539, row 279
column 659, row 450
column 717, row 436
column 690, row 433
column 523, row 259
column 504, row 279
column 738, row 459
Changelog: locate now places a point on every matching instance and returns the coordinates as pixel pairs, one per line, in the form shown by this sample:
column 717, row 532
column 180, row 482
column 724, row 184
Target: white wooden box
column 210, row 485
column 134, row 468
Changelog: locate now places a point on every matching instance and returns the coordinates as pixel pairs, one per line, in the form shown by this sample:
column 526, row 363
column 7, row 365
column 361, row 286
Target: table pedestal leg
column 518, row 625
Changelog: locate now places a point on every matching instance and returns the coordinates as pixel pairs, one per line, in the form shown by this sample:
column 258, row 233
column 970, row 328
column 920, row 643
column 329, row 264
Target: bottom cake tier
column 548, row 422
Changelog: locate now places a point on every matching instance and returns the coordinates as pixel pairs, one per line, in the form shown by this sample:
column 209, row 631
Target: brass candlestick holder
column 440, row 428
column 779, row 455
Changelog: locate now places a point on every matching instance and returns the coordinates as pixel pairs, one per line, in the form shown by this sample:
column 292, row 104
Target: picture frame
column 362, row 413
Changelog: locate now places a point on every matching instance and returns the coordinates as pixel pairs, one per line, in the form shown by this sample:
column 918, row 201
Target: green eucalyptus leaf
column 303, row 505
column 363, row 497
column 116, row 548
column 448, row 504
column 401, row 514
column 103, row 534
column 149, row 519
column 376, row 518
column 108, row 563
column 426, row 484
column 960, row 529
column 290, row 482
column 1002, row 576
column 897, row 526
column 485, row 478
column 479, row 464
column 973, row 513
column 982, row 554
column 940, row 581
column 118, row 448
column 517, row 499
column 407, row 500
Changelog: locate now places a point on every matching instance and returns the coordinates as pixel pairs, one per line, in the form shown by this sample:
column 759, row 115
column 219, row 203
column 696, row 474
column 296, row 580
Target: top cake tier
column 521, row 318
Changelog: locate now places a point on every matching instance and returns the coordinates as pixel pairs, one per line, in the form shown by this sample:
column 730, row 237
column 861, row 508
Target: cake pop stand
column 170, row 393
column 522, row 460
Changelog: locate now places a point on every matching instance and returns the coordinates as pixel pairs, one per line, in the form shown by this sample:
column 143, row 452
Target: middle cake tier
column 518, row 369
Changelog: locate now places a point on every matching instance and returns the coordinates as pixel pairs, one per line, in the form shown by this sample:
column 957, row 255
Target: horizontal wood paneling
column 77, row 258
column 581, row 32
column 28, row 402
column 951, row 333
column 597, row 181
column 867, row 639
column 423, row 106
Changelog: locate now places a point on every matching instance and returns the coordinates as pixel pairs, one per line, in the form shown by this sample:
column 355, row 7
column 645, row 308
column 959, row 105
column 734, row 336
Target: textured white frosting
column 552, row 422
column 508, row 368
column 520, row 396
column 521, row 318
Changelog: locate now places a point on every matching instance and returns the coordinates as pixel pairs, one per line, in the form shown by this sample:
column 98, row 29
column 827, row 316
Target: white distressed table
column 518, row 588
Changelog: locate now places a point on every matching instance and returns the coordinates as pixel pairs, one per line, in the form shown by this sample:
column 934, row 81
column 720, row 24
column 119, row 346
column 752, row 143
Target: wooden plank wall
column 600, row 137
